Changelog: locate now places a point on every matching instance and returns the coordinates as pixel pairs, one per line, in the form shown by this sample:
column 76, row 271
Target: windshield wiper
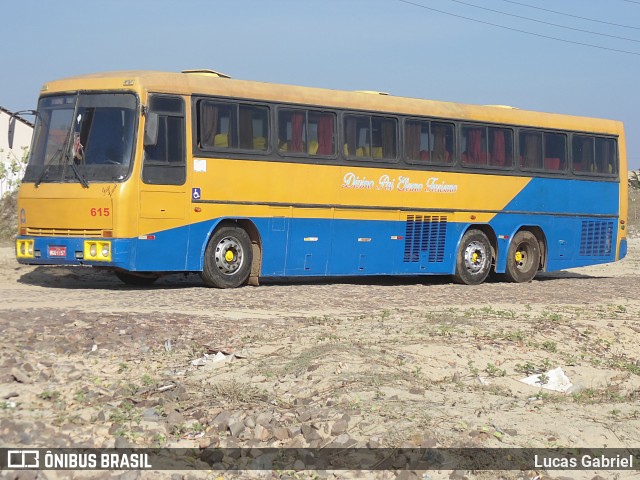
column 69, row 160
column 45, row 170
column 74, row 167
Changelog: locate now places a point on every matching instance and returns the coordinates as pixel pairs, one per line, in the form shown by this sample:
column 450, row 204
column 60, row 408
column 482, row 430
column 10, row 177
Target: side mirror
column 12, row 130
column 12, row 123
column 151, row 129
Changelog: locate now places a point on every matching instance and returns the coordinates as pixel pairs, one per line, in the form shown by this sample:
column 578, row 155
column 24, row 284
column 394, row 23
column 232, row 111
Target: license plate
column 57, row 251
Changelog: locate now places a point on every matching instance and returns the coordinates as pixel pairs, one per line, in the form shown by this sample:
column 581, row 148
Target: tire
column 473, row 262
column 136, row 280
column 227, row 258
column 523, row 257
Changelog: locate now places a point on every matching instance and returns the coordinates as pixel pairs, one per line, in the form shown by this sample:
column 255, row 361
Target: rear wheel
column 523, row 257
column 473, row 262
column 227, row 258
column 136, row 279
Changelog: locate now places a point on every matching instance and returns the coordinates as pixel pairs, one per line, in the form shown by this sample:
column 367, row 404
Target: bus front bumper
column 108, row 252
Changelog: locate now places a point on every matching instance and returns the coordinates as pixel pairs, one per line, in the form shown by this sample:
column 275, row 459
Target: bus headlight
column 97, row 250
column 24, row 249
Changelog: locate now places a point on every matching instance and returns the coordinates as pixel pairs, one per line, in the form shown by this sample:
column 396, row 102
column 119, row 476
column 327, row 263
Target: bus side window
column 231, row 125
column 321, row 133
column 582, row 158
column 474, row 146
column 292, row 131
column 500, row 147
column 606, row 156
column 357, row 135
column 164, row 162
column 216, row 122
column 530, row 149
column 370, row 137
column 555, row 151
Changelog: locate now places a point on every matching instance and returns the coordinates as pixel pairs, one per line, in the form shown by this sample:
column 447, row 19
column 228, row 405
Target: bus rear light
column 107, row 233
column 23, row 230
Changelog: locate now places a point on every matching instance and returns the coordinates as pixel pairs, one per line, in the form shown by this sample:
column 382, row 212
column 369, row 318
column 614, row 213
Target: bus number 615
column 100, row 212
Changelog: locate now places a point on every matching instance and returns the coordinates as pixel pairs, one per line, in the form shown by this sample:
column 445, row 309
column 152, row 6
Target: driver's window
column 164, row 161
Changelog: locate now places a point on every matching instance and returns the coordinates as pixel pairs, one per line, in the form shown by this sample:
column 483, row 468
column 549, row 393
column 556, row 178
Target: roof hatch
column 207, row 72
column 372, row 92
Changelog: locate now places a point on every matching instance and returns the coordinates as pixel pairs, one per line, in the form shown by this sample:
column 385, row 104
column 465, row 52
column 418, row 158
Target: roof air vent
column 207, row 72
column 373, row 92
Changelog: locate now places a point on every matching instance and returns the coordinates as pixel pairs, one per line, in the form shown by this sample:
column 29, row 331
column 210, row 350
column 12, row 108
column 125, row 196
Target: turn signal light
column 24, row 249
column 97, row 251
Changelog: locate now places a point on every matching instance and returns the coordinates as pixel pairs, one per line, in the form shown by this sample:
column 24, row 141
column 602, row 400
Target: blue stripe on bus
column 312, row 247
column 578, row 197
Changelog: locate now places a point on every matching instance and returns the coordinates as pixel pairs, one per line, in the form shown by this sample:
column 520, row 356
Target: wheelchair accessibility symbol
column 195, row 193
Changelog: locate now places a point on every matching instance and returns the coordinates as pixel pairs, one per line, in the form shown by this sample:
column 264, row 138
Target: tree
column 634, row 181
column 12, row 169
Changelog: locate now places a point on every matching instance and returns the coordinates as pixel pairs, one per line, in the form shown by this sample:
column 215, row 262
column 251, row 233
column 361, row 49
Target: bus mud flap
column 255, row 265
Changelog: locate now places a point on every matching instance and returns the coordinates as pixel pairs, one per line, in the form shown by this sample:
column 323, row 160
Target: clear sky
column 586, row 63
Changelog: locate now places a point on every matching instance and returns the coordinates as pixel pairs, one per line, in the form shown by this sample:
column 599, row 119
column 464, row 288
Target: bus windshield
column 83, row 138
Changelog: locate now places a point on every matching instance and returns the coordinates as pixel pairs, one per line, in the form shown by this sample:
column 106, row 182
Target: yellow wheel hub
column 474, row 257
column 518, row 256
column 229, row 256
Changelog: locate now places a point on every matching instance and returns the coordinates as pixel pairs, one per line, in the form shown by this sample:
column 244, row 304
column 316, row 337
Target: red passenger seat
column 552, row 163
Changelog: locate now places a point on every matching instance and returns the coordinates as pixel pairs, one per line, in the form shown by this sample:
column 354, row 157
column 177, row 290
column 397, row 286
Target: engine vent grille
column 596, row 238
column 425, row 234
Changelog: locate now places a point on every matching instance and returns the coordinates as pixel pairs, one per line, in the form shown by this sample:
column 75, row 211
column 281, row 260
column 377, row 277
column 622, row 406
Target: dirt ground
column 87, row 361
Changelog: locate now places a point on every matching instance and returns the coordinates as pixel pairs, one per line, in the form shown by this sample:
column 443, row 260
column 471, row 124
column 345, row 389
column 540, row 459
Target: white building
column 21, row 142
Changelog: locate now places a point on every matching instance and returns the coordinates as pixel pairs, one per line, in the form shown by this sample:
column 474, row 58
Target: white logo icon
column 23, row 459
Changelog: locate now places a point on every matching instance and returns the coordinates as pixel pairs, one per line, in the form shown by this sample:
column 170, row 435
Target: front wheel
column 227, row 258
column 523, row 258
column 473, row 262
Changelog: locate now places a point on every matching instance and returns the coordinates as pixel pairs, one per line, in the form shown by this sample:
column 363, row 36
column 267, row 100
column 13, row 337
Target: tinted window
column 95, row 132
column 606, row 155
column 164, row 162
column 428, row 142
column 555, row 151
column 530, row 149
column 594, row 154
column 370, row 137
column 487, row 146
column 474, row 145
column 500, row 147
column 306, row 132
column 227, row 125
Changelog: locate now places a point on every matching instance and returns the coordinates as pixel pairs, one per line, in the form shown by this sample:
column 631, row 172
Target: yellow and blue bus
column 148, row 173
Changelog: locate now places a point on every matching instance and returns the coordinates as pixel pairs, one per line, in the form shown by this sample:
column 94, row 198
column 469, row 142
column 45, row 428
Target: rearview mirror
column 12, row 130
column 151, row 129
column 12, row 124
